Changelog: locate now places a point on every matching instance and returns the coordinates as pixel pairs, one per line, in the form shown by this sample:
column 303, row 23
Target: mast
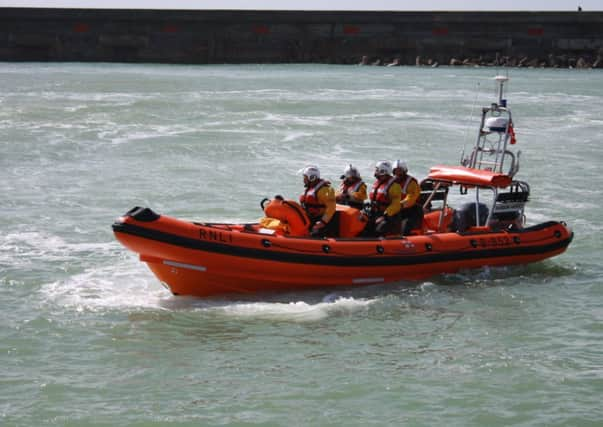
column 491, row 150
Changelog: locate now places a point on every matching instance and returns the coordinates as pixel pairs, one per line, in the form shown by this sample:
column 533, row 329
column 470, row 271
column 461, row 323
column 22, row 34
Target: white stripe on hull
column 182, row 265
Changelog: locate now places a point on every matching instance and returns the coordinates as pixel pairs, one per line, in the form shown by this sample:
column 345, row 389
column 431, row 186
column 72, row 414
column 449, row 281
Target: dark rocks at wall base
column 526, row 39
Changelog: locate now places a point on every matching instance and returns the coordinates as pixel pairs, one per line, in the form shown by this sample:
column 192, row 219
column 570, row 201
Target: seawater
column 88, row 337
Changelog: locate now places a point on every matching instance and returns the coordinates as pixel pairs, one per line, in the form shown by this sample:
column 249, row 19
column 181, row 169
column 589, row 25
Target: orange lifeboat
column 210, row 259
column 278, row 254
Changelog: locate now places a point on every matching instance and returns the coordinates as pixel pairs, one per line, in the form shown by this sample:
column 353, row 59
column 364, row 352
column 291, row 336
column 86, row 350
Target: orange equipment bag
column 291, row 213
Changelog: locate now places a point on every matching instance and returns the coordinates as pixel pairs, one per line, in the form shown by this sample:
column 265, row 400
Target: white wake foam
column 122, row 285
column 299, row 311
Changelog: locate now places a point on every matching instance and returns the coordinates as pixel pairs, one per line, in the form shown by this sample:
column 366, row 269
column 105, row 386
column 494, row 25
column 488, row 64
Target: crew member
column 411, row 213
column 385, row 201
column 319, row 202
column 352, row 191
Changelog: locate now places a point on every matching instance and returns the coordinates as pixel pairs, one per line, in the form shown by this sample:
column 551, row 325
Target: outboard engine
column 464, row 217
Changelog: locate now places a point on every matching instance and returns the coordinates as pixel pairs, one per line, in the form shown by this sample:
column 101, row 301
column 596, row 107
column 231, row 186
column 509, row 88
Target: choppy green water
column 88, row 336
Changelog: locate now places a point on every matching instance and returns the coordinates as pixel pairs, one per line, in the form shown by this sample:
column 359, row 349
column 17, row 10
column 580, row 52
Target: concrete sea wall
column 221, row 36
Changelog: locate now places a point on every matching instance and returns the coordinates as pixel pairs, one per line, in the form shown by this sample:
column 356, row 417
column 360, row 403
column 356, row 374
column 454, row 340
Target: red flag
column 512, row 133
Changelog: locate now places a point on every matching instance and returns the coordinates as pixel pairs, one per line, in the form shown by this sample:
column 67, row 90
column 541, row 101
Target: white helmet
column 399, row 164
column 350, row 172
column 311, row 172
column 383, row 167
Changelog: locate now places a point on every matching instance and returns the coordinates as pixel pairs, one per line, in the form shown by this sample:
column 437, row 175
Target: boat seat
column 431, row 221
column 351, row 222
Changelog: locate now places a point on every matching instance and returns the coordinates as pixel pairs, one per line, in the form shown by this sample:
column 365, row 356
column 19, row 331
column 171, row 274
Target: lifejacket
column 309, row 200
column 379, row 196
column 404, row 187
column 348, row 189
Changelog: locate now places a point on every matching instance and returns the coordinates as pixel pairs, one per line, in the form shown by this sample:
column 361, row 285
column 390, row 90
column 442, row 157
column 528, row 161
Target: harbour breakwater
column 538, row 39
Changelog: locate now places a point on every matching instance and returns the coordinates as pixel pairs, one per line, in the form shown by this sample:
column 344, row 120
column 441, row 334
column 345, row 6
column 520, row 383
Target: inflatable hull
column 211, row 259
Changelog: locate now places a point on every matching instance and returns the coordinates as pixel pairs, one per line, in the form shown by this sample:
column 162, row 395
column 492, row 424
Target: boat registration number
column 486, row 242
